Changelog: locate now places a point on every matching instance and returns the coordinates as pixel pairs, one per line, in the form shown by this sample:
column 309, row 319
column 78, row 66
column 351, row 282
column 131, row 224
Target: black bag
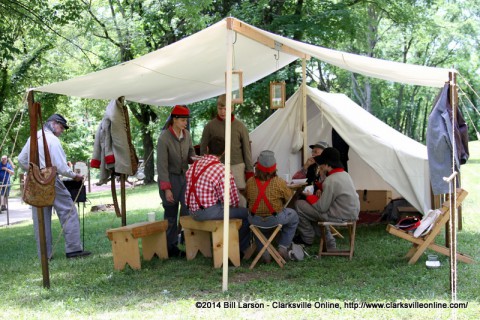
column 74, row 187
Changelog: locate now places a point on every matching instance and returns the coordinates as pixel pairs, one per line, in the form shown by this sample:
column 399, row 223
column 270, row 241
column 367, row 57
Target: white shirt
column 57, row 155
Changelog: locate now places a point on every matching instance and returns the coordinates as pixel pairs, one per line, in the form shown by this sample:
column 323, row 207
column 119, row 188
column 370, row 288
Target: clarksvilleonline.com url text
column 404, row 305
column 329, row 305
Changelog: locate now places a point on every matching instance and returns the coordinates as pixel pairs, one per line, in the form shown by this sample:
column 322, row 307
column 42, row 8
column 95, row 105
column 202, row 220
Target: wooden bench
column 204, row 235
column 125, row 243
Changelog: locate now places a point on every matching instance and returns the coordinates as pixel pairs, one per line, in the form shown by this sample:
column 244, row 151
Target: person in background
column 63, row 203
column 5, row 173
column 338, row 201
column 174, row 153
column 267, row 195
column 205, row 191
column 310, row 170
column 241, row 164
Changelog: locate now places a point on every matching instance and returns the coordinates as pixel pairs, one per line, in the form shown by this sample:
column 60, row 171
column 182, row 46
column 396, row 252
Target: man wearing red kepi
column 174, row 153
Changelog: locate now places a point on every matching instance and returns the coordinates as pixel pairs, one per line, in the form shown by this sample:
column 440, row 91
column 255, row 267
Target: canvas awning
column 193, row 69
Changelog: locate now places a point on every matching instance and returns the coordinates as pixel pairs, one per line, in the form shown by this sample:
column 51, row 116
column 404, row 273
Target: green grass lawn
column 91, row 288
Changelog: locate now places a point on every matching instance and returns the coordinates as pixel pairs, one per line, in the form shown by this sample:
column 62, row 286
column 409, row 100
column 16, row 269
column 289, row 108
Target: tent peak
column 254, row 34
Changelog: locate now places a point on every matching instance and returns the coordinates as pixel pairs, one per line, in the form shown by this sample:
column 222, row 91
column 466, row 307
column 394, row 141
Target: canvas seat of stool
column 267, row 244
column 323, row 251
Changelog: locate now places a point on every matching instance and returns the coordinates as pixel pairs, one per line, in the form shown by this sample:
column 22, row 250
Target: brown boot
column 283, row 253
column 266, row 258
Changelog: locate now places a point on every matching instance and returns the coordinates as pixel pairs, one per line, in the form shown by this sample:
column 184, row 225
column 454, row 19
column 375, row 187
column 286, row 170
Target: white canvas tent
column 199, row 67
column 193, row 69
column 380, row 158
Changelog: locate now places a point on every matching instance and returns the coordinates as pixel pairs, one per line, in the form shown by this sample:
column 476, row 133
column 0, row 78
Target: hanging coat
column 440, row 142
column 113, row 150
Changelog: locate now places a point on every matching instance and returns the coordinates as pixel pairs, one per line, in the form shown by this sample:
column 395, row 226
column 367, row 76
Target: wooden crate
column 374, row 200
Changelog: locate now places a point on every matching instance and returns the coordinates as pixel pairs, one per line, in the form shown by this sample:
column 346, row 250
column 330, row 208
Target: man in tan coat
column 241, row 154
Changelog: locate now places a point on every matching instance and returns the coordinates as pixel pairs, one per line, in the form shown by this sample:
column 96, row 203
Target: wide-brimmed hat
column 180, row 111
column 266, row 161
column 60, row 119
column 331, row 157
column 320, row 144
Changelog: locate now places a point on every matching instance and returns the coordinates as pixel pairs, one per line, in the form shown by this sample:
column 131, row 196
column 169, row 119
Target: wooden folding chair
column 420, row 244
column 335, row 232
column 267, row 245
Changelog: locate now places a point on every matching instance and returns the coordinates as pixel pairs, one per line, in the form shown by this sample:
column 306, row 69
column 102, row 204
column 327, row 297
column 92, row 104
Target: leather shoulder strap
column 33, row 133
column 48, row 161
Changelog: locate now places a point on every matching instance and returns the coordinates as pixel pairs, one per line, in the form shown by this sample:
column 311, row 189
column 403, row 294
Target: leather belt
column 264, row 215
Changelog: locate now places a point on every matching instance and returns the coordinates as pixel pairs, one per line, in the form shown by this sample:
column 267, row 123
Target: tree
column 135, row 28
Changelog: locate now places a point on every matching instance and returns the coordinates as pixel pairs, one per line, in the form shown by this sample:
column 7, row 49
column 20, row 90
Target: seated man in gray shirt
column 337, row 202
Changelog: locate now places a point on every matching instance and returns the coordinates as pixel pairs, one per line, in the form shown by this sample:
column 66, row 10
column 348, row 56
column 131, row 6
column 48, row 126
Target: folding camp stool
column 352, row 228
column 267, row 244
column 335, row 232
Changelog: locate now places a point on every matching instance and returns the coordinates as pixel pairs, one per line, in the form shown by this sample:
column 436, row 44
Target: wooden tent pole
column 304, row 104
column 452, row 239
column 228, row 137
column 41, row 221
column 454, row 103
column 123, row 199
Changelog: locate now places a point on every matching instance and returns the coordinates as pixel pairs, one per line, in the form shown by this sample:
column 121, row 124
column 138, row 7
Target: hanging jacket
column 113, row 150
column 440, row 143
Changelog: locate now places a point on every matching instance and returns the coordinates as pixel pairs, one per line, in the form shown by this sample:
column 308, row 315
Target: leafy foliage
column 46, row 41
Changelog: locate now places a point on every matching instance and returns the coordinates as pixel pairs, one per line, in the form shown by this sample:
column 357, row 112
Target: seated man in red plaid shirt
column 205, row 190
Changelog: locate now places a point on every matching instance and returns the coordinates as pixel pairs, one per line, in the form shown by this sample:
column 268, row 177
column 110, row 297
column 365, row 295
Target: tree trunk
column 398, row 113
column 148, row 158
column 144, row 115
column 3, row 87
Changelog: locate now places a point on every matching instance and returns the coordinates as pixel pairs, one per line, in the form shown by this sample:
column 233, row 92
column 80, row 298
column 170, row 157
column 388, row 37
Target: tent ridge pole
column 250, row 32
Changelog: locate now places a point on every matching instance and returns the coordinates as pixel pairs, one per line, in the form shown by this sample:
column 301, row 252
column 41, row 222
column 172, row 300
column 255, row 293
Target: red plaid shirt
column 209, row 186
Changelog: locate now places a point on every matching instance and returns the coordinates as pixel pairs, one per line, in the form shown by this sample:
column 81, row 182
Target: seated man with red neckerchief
column 338, row 201
column 267, row 195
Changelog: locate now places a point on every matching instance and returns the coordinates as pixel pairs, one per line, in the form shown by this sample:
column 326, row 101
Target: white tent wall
column 380, row 158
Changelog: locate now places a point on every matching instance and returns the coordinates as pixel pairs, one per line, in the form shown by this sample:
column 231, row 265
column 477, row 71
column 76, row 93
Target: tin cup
column 151, row 216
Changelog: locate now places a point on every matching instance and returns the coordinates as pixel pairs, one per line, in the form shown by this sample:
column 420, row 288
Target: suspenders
column 195, row 178
column 262, row 187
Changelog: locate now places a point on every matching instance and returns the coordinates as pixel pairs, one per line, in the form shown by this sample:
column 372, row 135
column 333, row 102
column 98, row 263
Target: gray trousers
column 288, row 218
column 308, row 218
column 179, row 185
column 68, row 216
